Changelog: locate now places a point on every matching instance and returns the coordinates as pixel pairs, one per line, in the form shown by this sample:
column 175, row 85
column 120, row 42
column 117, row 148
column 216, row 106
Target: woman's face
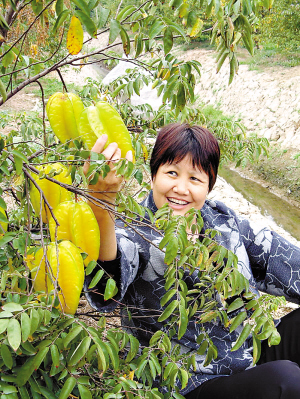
column 181, row 186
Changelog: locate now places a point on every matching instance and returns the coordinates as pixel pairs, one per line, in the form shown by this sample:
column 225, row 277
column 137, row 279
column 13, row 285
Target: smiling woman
column 184, row 167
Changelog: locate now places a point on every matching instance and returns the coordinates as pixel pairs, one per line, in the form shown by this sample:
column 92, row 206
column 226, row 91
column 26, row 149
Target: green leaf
column 68, row 387
column 256, row 349
column 110, row 289
column 181, row 99
column 184, row 378
column 3, row 325
column 104, row 14
column 238, row 320
column 114, row 357
column 60, row 20
column 47, row 393
column 18, row 154
column 3, row 91
column 80, row 351
column 3, row 204
column 32, row 364
column 168, row 40
column 134, row 348
column 90, row 267
column 183, row 321
column 8, row 59
column 156, row 29
column 34, row 320
column 25, row 326
column 71, row 335
column 242, row 337
column 5, row 315
column 54, row 355
column 87, row 22
column 103, row 355
column 83, row 6
column 3, row 219
column 274, row 338
column 24, row 393
column 171, row 249
column 125, row 12
column 37, row 6
column 114, row 31
column 168, row 295
column 96, row 278
column 84, row 392
column 125, row 40
column 6, row 356
column 236, row 304
column 14, row 334
column 168, row 311
column 59, row 7
column 12, row 307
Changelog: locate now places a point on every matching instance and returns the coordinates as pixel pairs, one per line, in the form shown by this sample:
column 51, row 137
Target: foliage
column 278, row 30
column 45, row 353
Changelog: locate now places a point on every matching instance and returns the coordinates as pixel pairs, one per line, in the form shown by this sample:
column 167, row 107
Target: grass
column 52, row 85
column 270, row 54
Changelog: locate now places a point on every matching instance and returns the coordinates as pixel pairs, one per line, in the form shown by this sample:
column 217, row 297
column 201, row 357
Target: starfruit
column 78, row 224
column 100, row 119
column 63, row 271
column 52, row 191
column 63, row 110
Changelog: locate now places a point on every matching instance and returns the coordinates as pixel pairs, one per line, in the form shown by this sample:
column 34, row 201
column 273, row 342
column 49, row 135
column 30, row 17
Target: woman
column 184, row 166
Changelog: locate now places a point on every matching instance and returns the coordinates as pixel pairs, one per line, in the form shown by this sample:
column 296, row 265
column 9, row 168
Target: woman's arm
column 106, row 189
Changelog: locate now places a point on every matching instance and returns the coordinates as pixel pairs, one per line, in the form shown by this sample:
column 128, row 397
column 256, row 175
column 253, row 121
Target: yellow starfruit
column 64, row 272
column 100, row 119
column 52, row 191
column 79, row 225
column 63, row 110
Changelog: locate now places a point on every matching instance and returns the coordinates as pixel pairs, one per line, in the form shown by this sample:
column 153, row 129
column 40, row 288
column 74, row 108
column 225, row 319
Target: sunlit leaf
column 114, row 30
column 80, row 351
column 14, row 333
column 110, row 289
column 168, row 40
column 67, row 388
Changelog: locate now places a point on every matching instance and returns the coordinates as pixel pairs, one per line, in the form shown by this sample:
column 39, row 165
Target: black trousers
column 277, row 375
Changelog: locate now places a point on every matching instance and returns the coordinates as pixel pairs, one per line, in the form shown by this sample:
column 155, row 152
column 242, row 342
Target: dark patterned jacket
column 270, row 263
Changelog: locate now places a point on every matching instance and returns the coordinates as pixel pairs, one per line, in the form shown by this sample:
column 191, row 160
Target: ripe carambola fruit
column 100, row 119
column 63, row 110
column 79, row 225
column 52, row 191
column 65, row 272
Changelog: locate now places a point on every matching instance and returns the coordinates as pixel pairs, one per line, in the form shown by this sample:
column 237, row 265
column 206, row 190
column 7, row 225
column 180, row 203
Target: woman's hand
column 108, row 187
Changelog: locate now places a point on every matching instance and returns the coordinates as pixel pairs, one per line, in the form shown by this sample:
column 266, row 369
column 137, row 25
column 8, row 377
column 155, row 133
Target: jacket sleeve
column 275, row 262
column 123, row 269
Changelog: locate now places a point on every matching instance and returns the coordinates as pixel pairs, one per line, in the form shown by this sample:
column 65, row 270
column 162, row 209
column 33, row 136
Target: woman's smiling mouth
column 176, row 201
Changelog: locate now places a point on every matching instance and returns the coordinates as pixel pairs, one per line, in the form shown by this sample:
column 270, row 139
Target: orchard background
column 44, row 352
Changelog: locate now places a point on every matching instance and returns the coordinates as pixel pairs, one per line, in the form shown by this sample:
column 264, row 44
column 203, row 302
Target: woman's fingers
column 100, row 144
column 129, row 156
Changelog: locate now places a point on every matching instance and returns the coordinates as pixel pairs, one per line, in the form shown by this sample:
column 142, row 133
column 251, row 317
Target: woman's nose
column 181, row 187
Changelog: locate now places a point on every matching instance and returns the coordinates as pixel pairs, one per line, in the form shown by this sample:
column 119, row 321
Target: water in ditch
column 270, row 205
